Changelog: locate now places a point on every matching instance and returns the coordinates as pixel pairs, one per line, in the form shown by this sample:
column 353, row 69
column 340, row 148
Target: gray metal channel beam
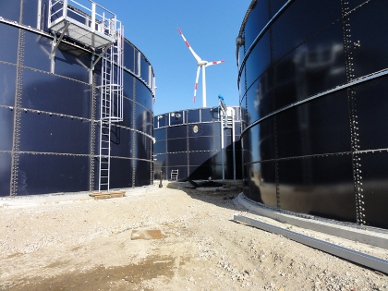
column 356, row 234
column 341, row 252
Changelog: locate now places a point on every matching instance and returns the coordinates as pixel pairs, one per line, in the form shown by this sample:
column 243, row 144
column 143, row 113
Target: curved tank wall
column 313, row 82
column 49, row 110
column 190, row 141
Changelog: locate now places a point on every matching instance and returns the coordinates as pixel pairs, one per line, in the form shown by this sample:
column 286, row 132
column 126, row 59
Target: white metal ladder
column 111, row 103
column 174, row 175
column 227, row 120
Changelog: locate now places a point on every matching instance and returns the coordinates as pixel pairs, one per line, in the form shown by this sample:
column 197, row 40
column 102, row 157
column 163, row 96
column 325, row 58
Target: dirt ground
column 170, row 238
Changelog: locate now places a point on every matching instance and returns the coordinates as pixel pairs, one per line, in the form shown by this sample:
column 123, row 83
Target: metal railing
column 96, row 18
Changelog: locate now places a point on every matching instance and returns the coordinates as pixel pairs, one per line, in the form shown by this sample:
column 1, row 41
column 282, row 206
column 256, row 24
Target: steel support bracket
column 58, row 41
column 101, row 54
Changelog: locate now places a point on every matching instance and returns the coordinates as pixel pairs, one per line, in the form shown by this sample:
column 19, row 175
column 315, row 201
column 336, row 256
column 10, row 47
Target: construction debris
column 106, row 195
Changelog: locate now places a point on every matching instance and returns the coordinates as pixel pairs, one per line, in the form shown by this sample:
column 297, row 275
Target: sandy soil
column 162, row 239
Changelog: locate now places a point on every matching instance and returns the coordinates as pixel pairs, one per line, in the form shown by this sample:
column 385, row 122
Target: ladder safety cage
column 111, row 101
column 112, row 80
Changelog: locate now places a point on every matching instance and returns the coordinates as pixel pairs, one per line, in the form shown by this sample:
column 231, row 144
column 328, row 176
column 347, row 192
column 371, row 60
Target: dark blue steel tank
column 313, row 78
column 49, row 110
column 190, row 141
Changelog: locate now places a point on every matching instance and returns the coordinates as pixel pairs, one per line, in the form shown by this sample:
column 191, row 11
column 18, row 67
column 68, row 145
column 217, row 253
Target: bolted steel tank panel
column 50, row 113
column 190, row 141
column 312, row 82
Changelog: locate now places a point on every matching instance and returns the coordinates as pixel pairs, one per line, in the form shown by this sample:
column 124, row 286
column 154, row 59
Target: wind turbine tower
column 202, row 64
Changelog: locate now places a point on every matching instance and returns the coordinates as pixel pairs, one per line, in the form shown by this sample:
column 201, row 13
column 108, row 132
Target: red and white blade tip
column 214, row 63
column 184, row 39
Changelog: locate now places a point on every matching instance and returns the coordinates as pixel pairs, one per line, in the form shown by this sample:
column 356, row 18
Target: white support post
column 93, row 24
column 233, row 144
column 222, row 144
column 138, row 64
column 39, row 15
column 203, row 87
column 149, row 81
column 65, row 8
column 91, row 69
column 153, row 85
column 52, row 55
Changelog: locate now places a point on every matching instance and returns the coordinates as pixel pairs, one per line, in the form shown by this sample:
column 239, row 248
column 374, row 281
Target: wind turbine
column 202, row 64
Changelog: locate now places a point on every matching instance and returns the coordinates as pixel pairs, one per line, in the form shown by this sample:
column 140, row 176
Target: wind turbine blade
column 196, row 83
column 214, row 63
column 197, row 58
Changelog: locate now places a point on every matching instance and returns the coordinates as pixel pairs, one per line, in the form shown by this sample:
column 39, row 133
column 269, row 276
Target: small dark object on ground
column 205, row 184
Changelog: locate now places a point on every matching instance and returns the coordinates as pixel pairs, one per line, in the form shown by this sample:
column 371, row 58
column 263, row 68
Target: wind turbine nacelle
column 202, row 64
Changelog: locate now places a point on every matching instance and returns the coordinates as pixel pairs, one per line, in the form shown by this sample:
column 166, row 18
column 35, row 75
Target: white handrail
column 96, row 14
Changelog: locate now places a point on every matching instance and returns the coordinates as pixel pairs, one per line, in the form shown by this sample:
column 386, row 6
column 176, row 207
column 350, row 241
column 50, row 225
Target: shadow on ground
column 220, row 193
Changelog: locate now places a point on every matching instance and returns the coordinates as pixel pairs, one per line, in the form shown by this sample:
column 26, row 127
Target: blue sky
column 211, row 28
